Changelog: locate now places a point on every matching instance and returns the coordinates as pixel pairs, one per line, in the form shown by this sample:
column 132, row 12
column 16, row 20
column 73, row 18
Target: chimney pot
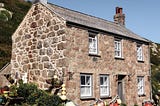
column 118, row 10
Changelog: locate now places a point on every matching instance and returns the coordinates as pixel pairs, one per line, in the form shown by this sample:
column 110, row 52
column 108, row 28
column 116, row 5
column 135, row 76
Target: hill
column 18, row 8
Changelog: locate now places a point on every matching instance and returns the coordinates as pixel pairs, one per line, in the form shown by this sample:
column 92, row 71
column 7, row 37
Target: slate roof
column 94, row 22
column 6, row 69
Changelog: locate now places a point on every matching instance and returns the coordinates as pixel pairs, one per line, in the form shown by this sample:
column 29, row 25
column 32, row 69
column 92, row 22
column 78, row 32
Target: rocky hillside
column 18, row 8
column 155, row 66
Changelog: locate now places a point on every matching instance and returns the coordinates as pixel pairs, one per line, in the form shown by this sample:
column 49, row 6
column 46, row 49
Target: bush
column 3, row 17
column 7, row 14
column 52, row 100
column 29, row 92
column 32, row 95
column 25, row 90
column 123, row 104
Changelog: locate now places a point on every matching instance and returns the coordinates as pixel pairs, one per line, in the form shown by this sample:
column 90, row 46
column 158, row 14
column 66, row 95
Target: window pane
column 82, row 80
column 116, row 45
column 101, row 80
column 88, row 91
column 82, row 90
column 88, row 80
column 90, row 43
column 90, row 40
column 104, row 90
column 105, row 81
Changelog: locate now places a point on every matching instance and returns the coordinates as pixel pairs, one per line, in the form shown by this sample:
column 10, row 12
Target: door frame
column 120, row 87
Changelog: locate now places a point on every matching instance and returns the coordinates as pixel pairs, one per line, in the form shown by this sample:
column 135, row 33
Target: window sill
column 140, row 61
column 106, row 97
column 142, row 95
column 119, row 58
column 87, row 98
column 94, row 55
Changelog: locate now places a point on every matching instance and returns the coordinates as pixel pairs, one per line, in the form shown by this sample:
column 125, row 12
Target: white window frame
column 86, row 88
column 118, row 47
column 104, row 86
column 140, row 82
column 93, row 43
column 139, row 52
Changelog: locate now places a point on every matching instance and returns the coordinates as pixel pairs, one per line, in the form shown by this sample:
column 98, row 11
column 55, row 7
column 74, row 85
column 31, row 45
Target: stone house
column 95, row 58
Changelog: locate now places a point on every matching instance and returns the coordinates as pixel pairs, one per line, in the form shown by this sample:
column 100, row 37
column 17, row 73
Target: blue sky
column 142, row 16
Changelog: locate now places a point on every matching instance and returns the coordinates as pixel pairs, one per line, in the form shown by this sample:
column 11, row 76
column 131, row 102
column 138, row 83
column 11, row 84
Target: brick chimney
column 119, row 17
column 42, row 1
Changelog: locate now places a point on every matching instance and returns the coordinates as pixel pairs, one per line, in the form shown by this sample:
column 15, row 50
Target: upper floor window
column 118, row 48
column 104, row 85
column 140, row 80
column 93, row 43
column 86, row 85
column 139, row 52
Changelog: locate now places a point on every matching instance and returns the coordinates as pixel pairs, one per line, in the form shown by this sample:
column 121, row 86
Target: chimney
column 41, row 1
column 119, row 17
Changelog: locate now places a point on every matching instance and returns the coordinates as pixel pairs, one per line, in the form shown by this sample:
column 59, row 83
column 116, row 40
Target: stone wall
column 105, row 63
column 38, row 46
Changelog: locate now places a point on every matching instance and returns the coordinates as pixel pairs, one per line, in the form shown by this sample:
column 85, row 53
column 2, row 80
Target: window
column 93, row 43
column 118, row 48
column 139, row 52
column 104, row 85
column 140, row 80
column 86, row 85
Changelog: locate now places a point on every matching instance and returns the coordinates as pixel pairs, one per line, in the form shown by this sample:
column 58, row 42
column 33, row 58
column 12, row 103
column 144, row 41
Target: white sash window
column 86, row 85
column 140, row 80
column 118, row 48
column 104, row 85
column 139, row 53
column 93, row 44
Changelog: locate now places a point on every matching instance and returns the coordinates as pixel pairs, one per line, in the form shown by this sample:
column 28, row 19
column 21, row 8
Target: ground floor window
column 86, row 85
column 104, row 85
column 140, row 80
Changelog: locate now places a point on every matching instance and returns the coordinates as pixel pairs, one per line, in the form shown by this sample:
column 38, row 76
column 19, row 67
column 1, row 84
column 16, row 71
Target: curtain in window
column 86, row 85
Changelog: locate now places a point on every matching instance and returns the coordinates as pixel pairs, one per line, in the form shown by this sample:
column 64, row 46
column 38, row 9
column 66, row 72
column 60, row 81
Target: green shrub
column 3, row 17
column 25, row 90
column 123, row 104
column 52, row 100
column 34, row 96
column 3, row 53
column 29, row 92
column 6, row 12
